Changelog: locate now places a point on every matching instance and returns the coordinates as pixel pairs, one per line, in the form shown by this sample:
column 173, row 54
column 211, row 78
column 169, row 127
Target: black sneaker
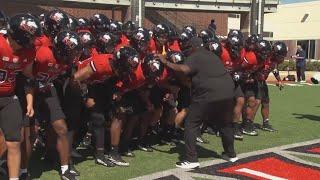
column 75, row 154
column 210, row 131
column 267, row 127
column 73, row 170
column 25, row 176
column 167, row 141
column 248, row 129
column 128, row 153
column 237, row 132
column 117, row 160
column 145, row 148
column 102, row 160
column 68, row 175
column 85, row 143
column 201, row 140
column 187, row 165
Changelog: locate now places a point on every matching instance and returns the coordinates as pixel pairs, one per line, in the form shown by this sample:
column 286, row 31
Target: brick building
column 177, row 18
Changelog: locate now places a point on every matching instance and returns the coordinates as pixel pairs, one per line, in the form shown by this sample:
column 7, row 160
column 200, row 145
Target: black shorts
column 250, row 89
column 184, row 98
column 11, row 120
column 264, row 92
column 72, row 105
column 238, row 91
column 102, row 95
column 156, row 96
column 132, row 103
column 48, row 106
column 20, row 92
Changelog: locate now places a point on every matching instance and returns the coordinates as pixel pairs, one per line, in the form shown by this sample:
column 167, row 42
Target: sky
column 294, row 1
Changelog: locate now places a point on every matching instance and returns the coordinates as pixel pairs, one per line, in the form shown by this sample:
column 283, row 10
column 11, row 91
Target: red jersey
column 100, row 64
column 42, row 41
column 132, row 81
column 46, row 68
column 124, row 40
column 264, row 71
column 250, row 62
column 231, row 65
column 10, row 64
column 172, row 46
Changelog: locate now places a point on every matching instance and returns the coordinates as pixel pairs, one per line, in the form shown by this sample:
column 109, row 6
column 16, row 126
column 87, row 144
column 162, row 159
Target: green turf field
column 311, row 159
column 295, row 112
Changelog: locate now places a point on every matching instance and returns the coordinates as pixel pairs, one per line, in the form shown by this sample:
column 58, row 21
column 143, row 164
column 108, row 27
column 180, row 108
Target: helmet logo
column 57, row 16
column 154, row 65
column 82, row 20
column 189, row 28
column 85, row 38
column 70, row 42
column 279, row 47
column 160, row 26
column 139, row 36
column 105, row 38
column 29, row 26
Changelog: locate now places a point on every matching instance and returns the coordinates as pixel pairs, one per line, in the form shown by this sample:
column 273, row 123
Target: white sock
column 13, row 178
column 64, row 168
column 22, row 171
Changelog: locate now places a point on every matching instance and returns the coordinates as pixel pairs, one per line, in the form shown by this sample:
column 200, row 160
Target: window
column 304, row 18
column 233, row 15
column 309, row 46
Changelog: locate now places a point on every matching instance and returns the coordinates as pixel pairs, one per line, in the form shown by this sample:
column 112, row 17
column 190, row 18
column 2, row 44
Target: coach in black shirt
column 212, row 96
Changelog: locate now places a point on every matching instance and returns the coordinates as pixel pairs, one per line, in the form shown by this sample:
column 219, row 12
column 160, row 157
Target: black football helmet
column 235, row 32
column 100, row 23
column 140, row 40
column 161, row 33
column 251, row 42
column 83, row 24
column 279, row 51
column 23, row 28
column 67, row 47
column 106, row 42
column 175, row 57
column 88, row 42
column 4, row 19
column 214, row 46
column 56, row 21
column 263, row 50
column 192, row 30
column 184, row 40
column 172, row 35
column 73, row 23
column 115, row 28
column 87, row 39
column 127, row 59
column 41, row 18
column 206, row 36
column 152, row 67
column 234, row 45
column 128, row 28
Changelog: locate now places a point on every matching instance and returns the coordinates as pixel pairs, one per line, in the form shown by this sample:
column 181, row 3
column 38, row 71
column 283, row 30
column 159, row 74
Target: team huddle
column 69, row 83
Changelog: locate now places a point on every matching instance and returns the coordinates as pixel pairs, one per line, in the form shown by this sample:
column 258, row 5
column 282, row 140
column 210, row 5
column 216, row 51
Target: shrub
column 310, row 66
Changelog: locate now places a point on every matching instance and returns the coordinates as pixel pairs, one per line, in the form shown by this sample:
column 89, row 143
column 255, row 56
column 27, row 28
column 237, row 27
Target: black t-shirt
column 210, row 80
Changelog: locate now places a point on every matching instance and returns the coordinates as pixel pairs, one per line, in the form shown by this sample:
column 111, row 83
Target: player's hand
column 162, row 58
column 280, row 85
column 116, row 97
column 30, row 111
